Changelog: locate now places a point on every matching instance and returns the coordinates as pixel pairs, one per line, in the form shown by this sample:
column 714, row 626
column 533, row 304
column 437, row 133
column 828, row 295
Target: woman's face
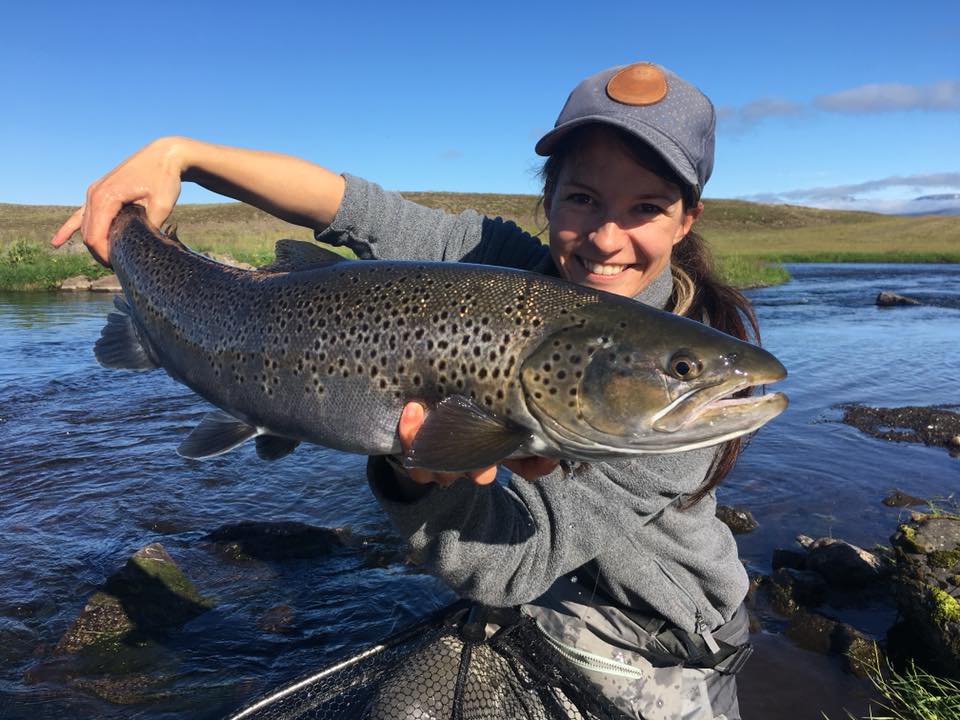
column 613, row 223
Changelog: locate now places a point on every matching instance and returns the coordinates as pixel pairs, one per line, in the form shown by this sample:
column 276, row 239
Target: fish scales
column 328, row 351
column 346, row 345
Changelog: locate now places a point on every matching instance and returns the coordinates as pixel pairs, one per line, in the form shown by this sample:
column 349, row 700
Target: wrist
column 178, row 154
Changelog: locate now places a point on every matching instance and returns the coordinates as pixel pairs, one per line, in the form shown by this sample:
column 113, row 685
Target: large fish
column 320, row 349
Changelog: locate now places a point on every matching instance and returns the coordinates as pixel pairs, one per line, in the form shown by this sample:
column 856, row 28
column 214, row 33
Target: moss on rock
column 946, row 609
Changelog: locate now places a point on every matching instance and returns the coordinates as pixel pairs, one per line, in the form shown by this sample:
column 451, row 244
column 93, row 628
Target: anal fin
column 216, row 434
column 458, row 436
column 274, row 447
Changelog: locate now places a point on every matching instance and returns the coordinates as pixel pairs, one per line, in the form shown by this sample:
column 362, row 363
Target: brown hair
column 698, row 292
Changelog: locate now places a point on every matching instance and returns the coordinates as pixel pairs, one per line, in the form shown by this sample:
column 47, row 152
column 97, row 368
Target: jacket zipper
column 700, row 625
column 589, row 661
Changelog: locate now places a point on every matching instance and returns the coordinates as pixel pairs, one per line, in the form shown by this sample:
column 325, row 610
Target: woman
column 622, row 564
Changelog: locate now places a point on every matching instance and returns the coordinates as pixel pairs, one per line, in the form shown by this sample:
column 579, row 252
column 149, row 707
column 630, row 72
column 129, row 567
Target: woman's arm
column 292, row 189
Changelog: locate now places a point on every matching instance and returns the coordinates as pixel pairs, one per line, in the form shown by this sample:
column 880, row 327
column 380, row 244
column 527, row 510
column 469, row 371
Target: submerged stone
column 886, row 298
column 898, row 498
column 277, row 540
column 739, row 520
column 149, row 596
column 929, row 425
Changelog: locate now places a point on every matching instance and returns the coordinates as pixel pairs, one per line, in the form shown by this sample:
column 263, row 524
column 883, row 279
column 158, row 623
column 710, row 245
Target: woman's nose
column 608, row 237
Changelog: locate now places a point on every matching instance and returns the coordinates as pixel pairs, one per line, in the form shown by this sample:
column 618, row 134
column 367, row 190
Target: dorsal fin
column 293, row 255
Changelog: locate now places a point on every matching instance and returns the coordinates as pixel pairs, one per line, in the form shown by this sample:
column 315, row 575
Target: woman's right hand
column 150, row 177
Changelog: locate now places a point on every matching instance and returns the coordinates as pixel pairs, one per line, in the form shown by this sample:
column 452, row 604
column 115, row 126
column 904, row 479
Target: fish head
column 627, row 380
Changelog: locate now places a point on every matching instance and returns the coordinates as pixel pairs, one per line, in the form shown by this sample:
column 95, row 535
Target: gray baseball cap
column 652, row 103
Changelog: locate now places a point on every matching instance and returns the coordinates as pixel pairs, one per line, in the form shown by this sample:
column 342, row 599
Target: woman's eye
column 649, row 208
column 580, row 198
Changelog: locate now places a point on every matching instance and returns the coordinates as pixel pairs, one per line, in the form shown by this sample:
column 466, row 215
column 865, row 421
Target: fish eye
column 684, row 366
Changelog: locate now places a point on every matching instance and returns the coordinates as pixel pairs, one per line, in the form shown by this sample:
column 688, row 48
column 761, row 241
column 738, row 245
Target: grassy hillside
column 747, row 237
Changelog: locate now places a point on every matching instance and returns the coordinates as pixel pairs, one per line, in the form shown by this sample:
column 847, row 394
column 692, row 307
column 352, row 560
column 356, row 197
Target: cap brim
column 668, row 149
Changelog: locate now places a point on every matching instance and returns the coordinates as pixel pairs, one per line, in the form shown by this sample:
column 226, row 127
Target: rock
column 791, row 589
column 739, row 520
column 277, row 540
column 891, row 299
column 77, row 282
column 277, row 619
column 927, row 583
column 804, row 541
column 110, row 283
column 227, row 260
column 149, row 596
column 818, row 633
column 843, row 564
column 789, row 559
column 929, row 425
column 898, row 498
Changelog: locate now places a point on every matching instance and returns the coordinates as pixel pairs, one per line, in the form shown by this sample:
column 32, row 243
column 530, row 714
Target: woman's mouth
column 606, row 269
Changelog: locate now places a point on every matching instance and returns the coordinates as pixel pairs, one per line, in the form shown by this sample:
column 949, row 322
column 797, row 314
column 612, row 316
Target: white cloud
column 738, row 120
column 856, row 196
column 885, row 97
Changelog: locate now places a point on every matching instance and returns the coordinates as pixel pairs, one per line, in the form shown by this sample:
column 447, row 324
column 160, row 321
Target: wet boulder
column 739, row 520
column 108, row 283
column 147, row 597
column 898, row 498
column 77, row 282
column 928, row 590
column 843, row 564
column 887, row 298
column 790, row 589
column 821, row 634
column 789, row 559
column 257, row 540
column 938, row 426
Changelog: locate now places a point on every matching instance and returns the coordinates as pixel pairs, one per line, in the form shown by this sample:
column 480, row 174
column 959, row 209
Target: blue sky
column 850, row 104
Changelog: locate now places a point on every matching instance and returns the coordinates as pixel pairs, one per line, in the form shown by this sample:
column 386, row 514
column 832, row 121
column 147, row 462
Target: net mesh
column 462, row 663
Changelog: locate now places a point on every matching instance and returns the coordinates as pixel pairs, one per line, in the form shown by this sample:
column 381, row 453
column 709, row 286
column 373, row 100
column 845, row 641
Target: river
column 89, row 474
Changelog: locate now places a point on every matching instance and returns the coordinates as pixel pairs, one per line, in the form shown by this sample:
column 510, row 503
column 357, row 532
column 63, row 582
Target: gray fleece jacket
column 618, row 525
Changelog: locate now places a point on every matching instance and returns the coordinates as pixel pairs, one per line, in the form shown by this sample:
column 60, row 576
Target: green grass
column 749, row 240
column 912, row 694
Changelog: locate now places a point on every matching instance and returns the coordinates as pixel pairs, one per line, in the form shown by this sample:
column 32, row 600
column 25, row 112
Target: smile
column 601, row 268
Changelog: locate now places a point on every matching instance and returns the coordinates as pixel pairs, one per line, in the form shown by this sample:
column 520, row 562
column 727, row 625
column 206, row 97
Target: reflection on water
column 89, row 474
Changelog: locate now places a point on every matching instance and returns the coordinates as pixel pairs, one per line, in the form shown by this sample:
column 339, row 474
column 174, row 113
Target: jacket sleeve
column 382, row 225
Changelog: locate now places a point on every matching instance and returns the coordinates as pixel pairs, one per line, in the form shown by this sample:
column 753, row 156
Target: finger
column 485, row 476
column 95, row 235
column 533, row 467
column 157, row 213
column 410, row 421
column 67, row 230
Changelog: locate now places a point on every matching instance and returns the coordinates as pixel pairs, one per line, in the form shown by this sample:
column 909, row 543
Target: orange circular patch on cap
column 642, row 83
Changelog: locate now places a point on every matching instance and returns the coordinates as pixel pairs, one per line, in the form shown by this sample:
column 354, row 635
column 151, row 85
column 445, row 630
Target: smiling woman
column 663, row 628
column 613, row 221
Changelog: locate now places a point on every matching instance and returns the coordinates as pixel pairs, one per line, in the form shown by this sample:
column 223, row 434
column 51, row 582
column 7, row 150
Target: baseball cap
column 651, row 103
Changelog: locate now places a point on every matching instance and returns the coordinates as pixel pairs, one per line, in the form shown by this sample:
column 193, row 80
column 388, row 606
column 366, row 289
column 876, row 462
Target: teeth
column 601, row 268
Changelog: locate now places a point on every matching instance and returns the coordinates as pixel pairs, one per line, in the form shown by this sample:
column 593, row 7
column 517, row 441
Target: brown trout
column 319, row 349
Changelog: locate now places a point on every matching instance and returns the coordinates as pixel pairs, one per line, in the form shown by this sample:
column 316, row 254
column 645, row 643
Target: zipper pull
column 706, row 635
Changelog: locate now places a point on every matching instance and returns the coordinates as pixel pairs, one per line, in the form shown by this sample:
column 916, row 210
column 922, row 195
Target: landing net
column 462, row 663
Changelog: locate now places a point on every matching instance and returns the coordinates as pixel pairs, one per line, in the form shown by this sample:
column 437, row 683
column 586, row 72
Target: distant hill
column 777, row 232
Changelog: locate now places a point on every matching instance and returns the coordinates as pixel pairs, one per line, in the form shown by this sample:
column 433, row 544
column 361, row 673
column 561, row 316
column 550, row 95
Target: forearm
column 295, row 190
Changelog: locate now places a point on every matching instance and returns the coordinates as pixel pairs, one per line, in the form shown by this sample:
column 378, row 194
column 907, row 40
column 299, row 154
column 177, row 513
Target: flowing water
column 89, row 474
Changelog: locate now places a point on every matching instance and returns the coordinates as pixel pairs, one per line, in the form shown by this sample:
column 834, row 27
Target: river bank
column 751, row 241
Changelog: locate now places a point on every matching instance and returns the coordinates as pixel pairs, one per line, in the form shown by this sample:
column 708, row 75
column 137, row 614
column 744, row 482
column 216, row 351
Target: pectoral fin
column 458, row 435
column 293, row 255
column 216, row 434
column 274, row 447
column 120, row 345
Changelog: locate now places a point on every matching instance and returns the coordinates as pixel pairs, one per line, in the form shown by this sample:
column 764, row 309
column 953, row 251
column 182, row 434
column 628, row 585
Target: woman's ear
column 690, row 216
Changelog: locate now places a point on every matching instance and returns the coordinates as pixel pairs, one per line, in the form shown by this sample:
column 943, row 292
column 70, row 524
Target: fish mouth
column 713, row 405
